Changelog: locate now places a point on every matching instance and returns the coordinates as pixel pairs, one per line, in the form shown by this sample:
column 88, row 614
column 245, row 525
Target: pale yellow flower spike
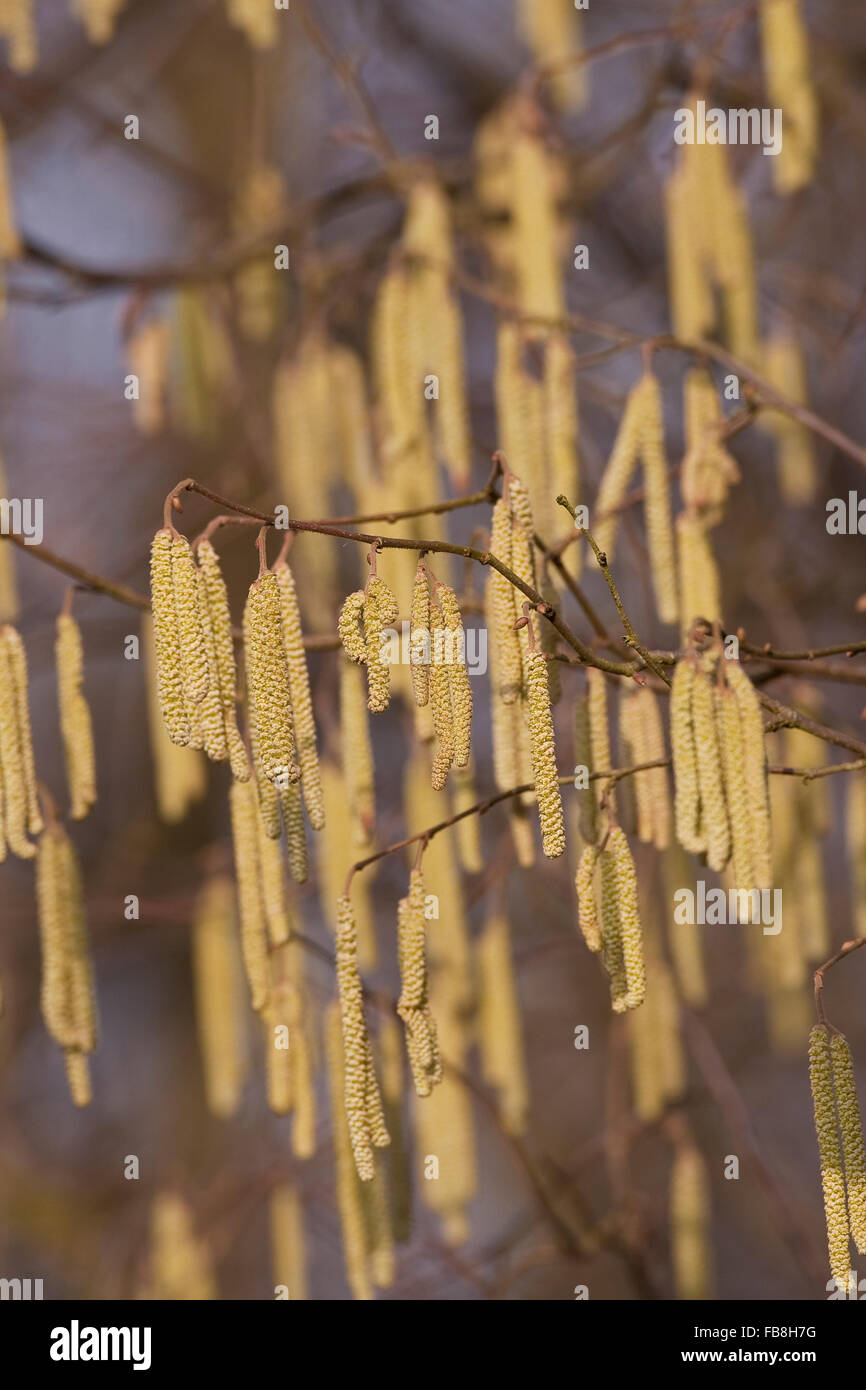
column 288, row 1244
column 296, row 837
column 551, row 28
column 690, row 1222
column 611, row 939
column 99, row 17
column 14, row 785
column 419, row 637
column 700, row 595
column 268, row 682
column 468, row 830
column 535, row 226
column 657, row 506
column 380, row 612
column 690, row 291
column 302, row 704
column 180, row 773
column 630, row 935
column 785, row 52
column 500, row 604
column 412, row 1006
column 18, row 28
column 357, row 751
column 209, row 726
column 348, row 626
column 851, row 1130
column 785, row 368
column 219, row 1001
column 736, row 794
column 193, row 656
column 687, row 803
column 501, row 1043
column 587, row 911
column 68, row 1003
column 829, row 1153
column 620, row 467
column 349, row 1191
column 755, row 767
column 544, row 768
column 216, row 599
column 257, row 19
column 440, row 700
column 461, row 690
column 18, row 671
column 363, row 1106
column 714, row 812
column 75, row 723
column 181, row 1266
column 254, row 943
column 272, row 885
column 166, row 636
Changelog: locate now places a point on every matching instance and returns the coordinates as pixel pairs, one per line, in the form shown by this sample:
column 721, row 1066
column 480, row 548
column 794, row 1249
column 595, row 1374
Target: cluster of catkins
column 840, row 1147
column 522, row 720
column 413, row 1006
column 437, row 655
column 720, row 771
column 609, row 915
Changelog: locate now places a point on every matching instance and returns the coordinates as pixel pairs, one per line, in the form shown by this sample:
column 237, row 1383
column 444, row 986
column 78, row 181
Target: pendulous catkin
column 829, row 1152
column 700, row 595
column 441, row 704
column 68, row 1001
column 180, row 773
column 362, row 1100
column 217, row 621
column 851, row 1130
column 785, row 53
column 21, row 813
column 243, row 803
column 180, row 1262
column 268, row 683
column 551, row 28
column 419, row 637
column 690, row 1223
column 256, row 19
column 504, row 641
column 587, row 909
column 412, row 1006
column 544, row 770
column 458, row 677
column 301, row 700
column 288, row 1244
column 380, row 611
column 687, row 800
column 500, row 1030
column 166, row 636
column 468, row 830
column 349, row 1192
column 217, row 980
column 657, row 504
column 711, row 789
column 357, row 753
column 625, row 906
column 75, row 722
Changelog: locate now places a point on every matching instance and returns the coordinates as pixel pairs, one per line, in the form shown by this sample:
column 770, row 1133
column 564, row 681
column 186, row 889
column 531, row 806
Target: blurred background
column 300, row 128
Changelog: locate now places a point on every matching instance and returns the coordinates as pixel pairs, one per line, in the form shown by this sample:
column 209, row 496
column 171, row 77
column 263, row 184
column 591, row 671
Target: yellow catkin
column 99, row 17
column 440, row 699
column 657, row 505
column 17, row 670
column 15, row 791
column 544, row 768
column 611, row 939
column 785, row 368
column 736, row 792
column 714, row 813
column 619, row 468
column 167, row 641
column 10, row 245
column 380, row 612
column 268, row 682
column 288, row 1243
column 257, row 20
column 829, row 1152
column 17, row 25
column 587, row 911
column 75, row 722
column 348, row 626
column 535, row 224
column 349, row 1192
column 500, row 1029
column 67, row 994
column 413, row 1006
column 461, row 691
column 357, row 753
column 219, row 1004
column 690, row 1224
column 851, row 1130
column 362, row 1099
column 551, row 28
column 391, row 1052
column 301, row 700
column 245, row 838
column 646, row 742
column 657, row 1061
column 855, row 839
column 685, row 942
column 419, row 637
column 630, row 935
column 689, row 286
column 468, row 829
column 296, row 838
column 599, row 735
column 303, row 1053
column 785, row 53
column 337, row 852
column 561, row 418
column 214, row 600
column 687, row 802
column 272, row 885
column 148, row 352
column 755, row 771
column 708, row 470
column 208, row 723
column 500, row 607
column 180, row 1262
column 259, row 207
column 699, row 577
column 180, row 774
column 194, row 671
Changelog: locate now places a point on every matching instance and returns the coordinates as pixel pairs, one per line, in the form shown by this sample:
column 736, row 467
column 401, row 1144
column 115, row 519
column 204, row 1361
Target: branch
column 846, row 950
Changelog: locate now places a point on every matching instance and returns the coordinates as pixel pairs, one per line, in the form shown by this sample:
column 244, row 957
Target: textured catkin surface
column 829, row 1152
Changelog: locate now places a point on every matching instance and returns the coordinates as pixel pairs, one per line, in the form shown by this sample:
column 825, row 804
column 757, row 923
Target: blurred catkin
column 75, row 722
column 21, row 812
column 67, row 992
column 362, row 1100
column 349, row 1192
column 180, row 774
column 690, row 1224
column 851, row 1130
column 219, row 997
column 180, row 1262
column 243, row 803
column 357, row 753
column 785, row 52
column 500, row 1028
column 288, row 1242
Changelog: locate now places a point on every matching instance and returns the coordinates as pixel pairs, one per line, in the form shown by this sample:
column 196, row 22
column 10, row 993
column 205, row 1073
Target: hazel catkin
column 829, row 1152
column 544, row 769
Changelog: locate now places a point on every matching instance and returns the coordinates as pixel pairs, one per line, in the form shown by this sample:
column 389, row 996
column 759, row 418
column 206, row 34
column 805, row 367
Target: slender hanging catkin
column 619, row 468
column 219, row 1000
column 500, row 606
column 657, row 506
column 20, row 807
column 785, row 53
column 500, row 1031
column 699, row 577
column 75, row 723
column 180, row 1262
column 544, row 768
column 379, row 613
column 851, row 1130
column 301, row 700
column 630, row 935
column 166, row 635
column 194, row 671
column 68, row 1000
column 243, row 803
column 268, row 682
column 587, row 910
column 412, row 1006
column 419, row 636
column 180, row 773
column 687, row 800
column 214, row 598
column 349, row 1192
column 357, row 752
column 829, row 1152
column 714, row 812
column 755, row 770
column 458, row 677
column 288, row 1244
column 690, row 1221
column 440, row 699
column 362, row 1100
